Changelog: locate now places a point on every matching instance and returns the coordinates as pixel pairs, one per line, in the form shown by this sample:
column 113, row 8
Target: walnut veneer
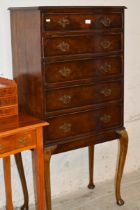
column 69, row 66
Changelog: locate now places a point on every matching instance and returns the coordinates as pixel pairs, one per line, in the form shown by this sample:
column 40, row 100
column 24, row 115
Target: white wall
column 69, row 171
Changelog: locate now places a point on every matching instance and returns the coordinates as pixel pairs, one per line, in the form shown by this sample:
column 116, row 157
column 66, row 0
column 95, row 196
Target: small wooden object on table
column 19, row 133
column 8, row 98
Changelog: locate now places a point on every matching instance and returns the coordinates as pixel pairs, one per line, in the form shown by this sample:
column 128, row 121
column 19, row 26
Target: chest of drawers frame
column 69, row 66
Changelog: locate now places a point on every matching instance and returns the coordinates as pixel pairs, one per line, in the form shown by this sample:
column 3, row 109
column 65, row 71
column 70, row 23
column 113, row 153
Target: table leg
column 91, row 167
column 19, row 163
column 122, row 156
column 38, row 168
column 7, row 179
column 47, row 157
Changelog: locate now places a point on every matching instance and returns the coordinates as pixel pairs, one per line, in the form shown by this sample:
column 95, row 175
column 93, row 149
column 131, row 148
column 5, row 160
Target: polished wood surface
column 70, row 61
column 76, row 21
column 79, row 44
column 20, row 123
column 7, row 180
column 19, row 141
column 66, row 72
column 8, row 98
column 18, row 134
column 47, row 158
column 123, row 140
column 63, row 98
column 38, row 168
column 87, row 122
column 91, row 167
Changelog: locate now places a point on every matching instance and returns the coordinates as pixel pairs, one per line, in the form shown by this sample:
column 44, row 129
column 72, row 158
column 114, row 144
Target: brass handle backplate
column 65, row 128
column 105, row 68
column 63, row 46
column 105, row 118
column 22, row 140
column 106, row 21
column 63, row 22
column 66, row 99
column 106, row 92
column 105, row 44
column 65, row 72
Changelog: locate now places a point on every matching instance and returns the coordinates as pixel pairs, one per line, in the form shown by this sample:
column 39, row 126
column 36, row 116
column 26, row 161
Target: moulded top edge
column 68, row 7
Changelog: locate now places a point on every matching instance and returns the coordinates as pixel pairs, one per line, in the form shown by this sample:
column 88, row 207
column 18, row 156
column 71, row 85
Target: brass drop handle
column 22, row 140
column 65, row 72
column 105, row 68
column 105, row 118
column 66, row 99
column 63, row 22
column 106, row 92
column 63, row 46
column 106, row 21
column 0, row 147
column 65, row 128
column 105, row 44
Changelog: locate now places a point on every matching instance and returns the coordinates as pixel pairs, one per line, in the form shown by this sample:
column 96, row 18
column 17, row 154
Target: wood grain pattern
column 8, row 111
column 123, row 140
column 82, row 95
column 8, row 98
column 5, row 101
column 38, row 168
column 67, row 21
column 19, row 141
column 47, row 158
column 81, row 44
column 7, row 180
column 83, row 122
column 24, row 62
column 64, row 72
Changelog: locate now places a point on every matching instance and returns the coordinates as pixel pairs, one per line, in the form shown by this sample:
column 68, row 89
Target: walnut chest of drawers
column 69, row 65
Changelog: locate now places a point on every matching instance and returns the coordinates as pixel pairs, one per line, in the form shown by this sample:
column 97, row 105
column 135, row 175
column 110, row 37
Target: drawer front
column 8, row 91
column 6, row 101
column 98, row 43
column 83, row 95
column 17, row 141
column 83, row 69
column 54, row 22
column 8, row 111
column 84, row 122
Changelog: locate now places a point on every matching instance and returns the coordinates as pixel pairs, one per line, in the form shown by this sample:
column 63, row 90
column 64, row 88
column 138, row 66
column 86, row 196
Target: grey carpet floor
column 102, row 197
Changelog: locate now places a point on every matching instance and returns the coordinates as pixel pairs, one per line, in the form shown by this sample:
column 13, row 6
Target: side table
column 18, row 134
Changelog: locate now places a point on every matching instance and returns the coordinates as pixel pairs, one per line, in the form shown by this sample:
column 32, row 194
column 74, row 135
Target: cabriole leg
column 122, row 156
